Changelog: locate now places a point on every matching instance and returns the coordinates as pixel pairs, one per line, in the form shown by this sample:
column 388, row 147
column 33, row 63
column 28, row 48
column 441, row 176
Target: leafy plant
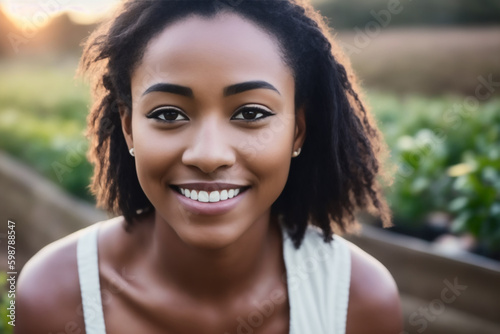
column 448, row 159
column 477, row 202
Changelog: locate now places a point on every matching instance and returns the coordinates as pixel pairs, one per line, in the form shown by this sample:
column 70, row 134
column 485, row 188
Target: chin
column 211, row 238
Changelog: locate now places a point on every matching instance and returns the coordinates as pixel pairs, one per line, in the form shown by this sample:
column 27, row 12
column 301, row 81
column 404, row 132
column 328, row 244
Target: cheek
column 155, row 154
column 271, row 152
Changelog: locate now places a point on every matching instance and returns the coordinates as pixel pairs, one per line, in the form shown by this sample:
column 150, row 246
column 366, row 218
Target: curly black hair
column 337, row 172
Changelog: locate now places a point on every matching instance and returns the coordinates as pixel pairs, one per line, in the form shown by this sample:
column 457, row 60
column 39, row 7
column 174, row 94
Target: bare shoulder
column 374, row 303
column 48, row 292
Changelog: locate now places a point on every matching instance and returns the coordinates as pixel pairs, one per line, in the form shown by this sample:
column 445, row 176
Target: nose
column 209, row 147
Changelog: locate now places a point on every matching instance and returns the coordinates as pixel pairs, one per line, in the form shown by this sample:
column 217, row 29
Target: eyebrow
column 229, row 90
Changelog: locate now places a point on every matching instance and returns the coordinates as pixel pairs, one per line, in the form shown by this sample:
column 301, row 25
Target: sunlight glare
column 36, row 14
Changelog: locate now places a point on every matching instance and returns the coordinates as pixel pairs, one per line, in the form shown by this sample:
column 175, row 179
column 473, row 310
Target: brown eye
column 167, row 114
column 252, row 113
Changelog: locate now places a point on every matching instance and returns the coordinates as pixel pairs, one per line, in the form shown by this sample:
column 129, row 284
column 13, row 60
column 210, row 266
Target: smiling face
column 213, row 109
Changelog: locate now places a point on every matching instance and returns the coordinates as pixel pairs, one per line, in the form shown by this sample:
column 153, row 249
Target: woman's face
column 213, row 109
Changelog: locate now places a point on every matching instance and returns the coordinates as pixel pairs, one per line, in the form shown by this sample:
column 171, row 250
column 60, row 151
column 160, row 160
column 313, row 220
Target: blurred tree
column 347, row 14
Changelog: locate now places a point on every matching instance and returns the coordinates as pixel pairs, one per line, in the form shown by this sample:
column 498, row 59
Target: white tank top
column 318, row 277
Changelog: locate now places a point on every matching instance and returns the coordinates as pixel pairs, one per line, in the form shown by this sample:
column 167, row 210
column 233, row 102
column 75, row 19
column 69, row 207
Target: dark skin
column 180, row 272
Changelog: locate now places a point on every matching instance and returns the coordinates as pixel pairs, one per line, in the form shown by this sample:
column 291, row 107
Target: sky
column 39, row 12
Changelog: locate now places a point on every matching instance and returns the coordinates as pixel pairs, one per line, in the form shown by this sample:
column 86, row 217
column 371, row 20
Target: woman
column 230, row 141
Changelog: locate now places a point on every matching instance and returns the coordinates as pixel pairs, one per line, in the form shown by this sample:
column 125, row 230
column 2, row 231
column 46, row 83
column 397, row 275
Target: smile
column 210, row 201
column 213, row 196
column 210, row 196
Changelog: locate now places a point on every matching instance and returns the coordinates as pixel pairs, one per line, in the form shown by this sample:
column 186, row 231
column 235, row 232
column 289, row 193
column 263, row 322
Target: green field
column 42, row 120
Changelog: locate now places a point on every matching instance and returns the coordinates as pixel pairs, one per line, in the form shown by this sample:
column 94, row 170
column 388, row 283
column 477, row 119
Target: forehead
column 223, row 49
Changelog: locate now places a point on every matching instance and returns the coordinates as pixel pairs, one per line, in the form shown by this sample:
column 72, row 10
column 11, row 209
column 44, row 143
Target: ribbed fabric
column 88, row 273
column 318, row 279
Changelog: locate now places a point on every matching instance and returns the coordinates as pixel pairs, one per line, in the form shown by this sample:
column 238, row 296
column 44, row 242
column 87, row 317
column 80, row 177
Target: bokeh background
column 430, row 71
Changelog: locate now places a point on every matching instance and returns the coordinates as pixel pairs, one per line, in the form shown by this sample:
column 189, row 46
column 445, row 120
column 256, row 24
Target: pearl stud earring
column 296, row 153
column 131, row 151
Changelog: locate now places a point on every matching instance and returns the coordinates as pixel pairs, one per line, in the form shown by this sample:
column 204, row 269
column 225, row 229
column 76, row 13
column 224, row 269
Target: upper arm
column 374, row 303
column 47, row 292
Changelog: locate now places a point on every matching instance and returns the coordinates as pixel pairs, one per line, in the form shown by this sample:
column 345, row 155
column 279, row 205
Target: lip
column 211, row 208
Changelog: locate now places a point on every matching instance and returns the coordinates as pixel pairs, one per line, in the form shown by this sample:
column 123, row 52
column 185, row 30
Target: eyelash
column 156, row 113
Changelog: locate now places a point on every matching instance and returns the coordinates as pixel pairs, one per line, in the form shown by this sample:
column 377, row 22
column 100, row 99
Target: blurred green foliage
column 42, row 119
column 448, row 158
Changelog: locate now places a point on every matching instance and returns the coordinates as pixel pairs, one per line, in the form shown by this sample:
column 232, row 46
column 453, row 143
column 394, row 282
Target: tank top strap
column 318, row 280
column 342, row 270
column 88, row 273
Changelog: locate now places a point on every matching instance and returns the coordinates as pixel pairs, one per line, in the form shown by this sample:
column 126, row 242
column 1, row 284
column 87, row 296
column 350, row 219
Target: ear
column 126, row 120
column 300, row 129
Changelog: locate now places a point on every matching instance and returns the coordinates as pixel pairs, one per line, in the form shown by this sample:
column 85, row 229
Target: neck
column 215, row 274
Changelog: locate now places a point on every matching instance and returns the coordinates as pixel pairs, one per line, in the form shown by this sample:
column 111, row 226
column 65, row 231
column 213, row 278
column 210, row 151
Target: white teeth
column 223, row 195
column 194, row 195
column 202, row 196
column 214, row 196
